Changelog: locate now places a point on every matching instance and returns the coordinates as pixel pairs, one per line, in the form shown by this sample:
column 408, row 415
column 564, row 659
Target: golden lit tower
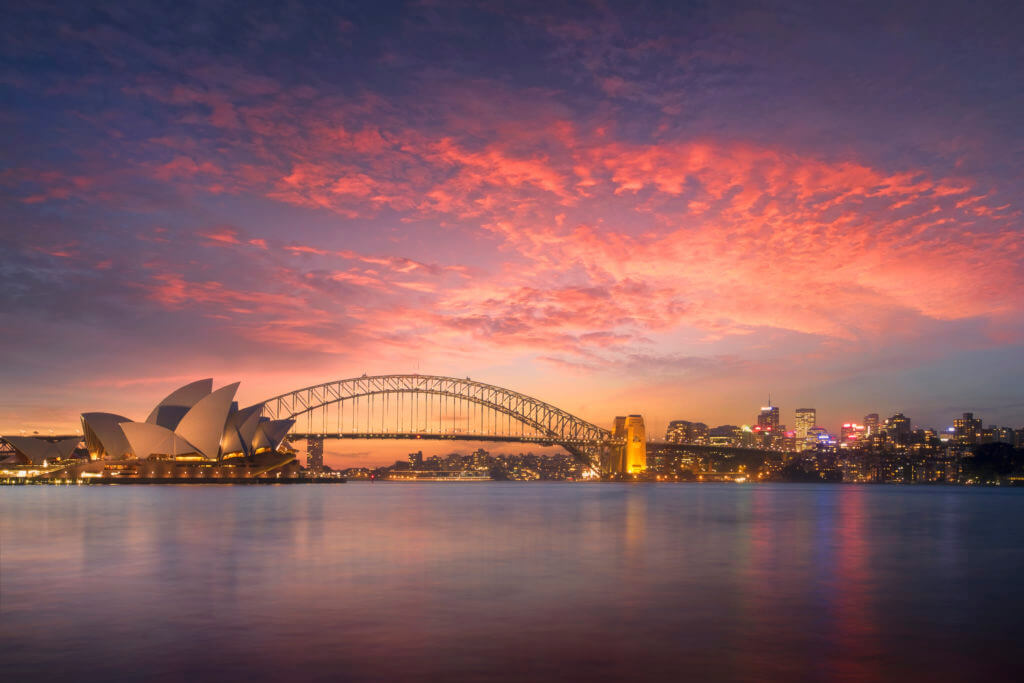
column 806, row 420
column 633, row 458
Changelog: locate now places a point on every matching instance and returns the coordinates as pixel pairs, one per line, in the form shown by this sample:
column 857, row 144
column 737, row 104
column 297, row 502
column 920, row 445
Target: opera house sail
column 196, row 432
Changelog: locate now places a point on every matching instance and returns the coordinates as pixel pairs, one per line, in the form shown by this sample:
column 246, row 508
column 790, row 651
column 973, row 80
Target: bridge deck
column 299, row 436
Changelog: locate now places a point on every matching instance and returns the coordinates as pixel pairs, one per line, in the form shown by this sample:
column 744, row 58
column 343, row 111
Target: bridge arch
column 444, row 402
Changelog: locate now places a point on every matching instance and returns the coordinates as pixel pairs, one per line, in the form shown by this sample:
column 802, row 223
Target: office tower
column 851, row 432
column 871, row 424
column 806, row 420
column 315, row 454
column 684, row 431
column 768, row 418
column 898, row 429
column 967, row 430
column 676, row 431
column 481, row 458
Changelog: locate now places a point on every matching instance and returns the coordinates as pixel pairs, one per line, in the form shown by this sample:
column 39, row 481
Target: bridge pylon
column 629, row 452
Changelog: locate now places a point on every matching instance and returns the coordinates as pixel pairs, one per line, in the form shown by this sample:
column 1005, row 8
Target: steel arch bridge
column 432, row 407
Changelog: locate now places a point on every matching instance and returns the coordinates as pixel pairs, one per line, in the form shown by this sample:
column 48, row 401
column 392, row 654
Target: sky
column 673, row 209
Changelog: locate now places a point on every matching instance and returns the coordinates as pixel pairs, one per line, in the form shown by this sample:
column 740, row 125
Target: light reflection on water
column 509, row 581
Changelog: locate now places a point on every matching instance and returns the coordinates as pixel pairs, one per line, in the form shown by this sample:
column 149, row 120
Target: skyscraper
column 768, row 419
column 806, row 420
column 898, row 429
column 315, row 454
column 480, row 458
column 967, row 430
column 871, row 424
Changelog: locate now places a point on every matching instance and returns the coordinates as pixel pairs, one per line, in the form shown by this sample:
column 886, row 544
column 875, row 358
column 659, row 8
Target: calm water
column 509, row 581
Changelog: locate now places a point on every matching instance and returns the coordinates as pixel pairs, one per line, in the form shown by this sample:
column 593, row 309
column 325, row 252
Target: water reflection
column 508, row 581
column 854, row 646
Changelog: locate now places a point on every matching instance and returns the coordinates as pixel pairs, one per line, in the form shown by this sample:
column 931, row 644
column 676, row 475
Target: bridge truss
column 432, row 407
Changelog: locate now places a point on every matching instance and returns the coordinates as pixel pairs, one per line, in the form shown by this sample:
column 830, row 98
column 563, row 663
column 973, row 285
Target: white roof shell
column 65, row 447
column 149, row 439
column 191, row 419
column 37, row 450
column 240, row 429
column 169, row 412
column 271, row 433
column 106, row 428
column 203, row 425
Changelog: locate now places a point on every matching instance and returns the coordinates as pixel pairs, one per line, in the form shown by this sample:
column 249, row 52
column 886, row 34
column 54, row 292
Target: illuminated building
column 682, row 431
column 768, row 433
column 871, row 424
column 481, row 459
column 768, row 418
column 675, row 460
column 632, row 459
column 897, row 428
column 315, row 454
column 967, row 430
column 191, row 423
column 806, row 420
column 788, row 442
column 726, row 435
column 819, row 435
column 744, row 437
column 416, row 460
column 195, row 432
column 851, row 432
column 995, row 434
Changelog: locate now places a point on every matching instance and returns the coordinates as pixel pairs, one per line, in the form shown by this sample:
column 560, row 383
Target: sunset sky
column 667, row 209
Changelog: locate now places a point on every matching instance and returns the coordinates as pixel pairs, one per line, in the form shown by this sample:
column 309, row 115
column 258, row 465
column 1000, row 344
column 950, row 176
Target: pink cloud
column 222, row 236
column 603, row 247
column 184, row 167
column 305, row 249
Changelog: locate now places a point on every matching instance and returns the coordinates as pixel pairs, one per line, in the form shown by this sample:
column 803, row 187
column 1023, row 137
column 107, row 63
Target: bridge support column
column 613, row 456
column 631, row 456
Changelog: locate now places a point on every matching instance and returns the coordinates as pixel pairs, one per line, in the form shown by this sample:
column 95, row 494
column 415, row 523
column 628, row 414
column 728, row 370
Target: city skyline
column 767, row 431
column 666, row 213
column 771, row 407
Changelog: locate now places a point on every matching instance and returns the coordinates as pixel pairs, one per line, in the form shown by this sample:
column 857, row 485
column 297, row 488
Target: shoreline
column 114, row 481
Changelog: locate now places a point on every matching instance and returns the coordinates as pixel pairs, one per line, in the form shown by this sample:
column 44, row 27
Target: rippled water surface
column 510, row 581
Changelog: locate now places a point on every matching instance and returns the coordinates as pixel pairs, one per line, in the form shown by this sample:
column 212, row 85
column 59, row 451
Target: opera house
column 195, row 433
